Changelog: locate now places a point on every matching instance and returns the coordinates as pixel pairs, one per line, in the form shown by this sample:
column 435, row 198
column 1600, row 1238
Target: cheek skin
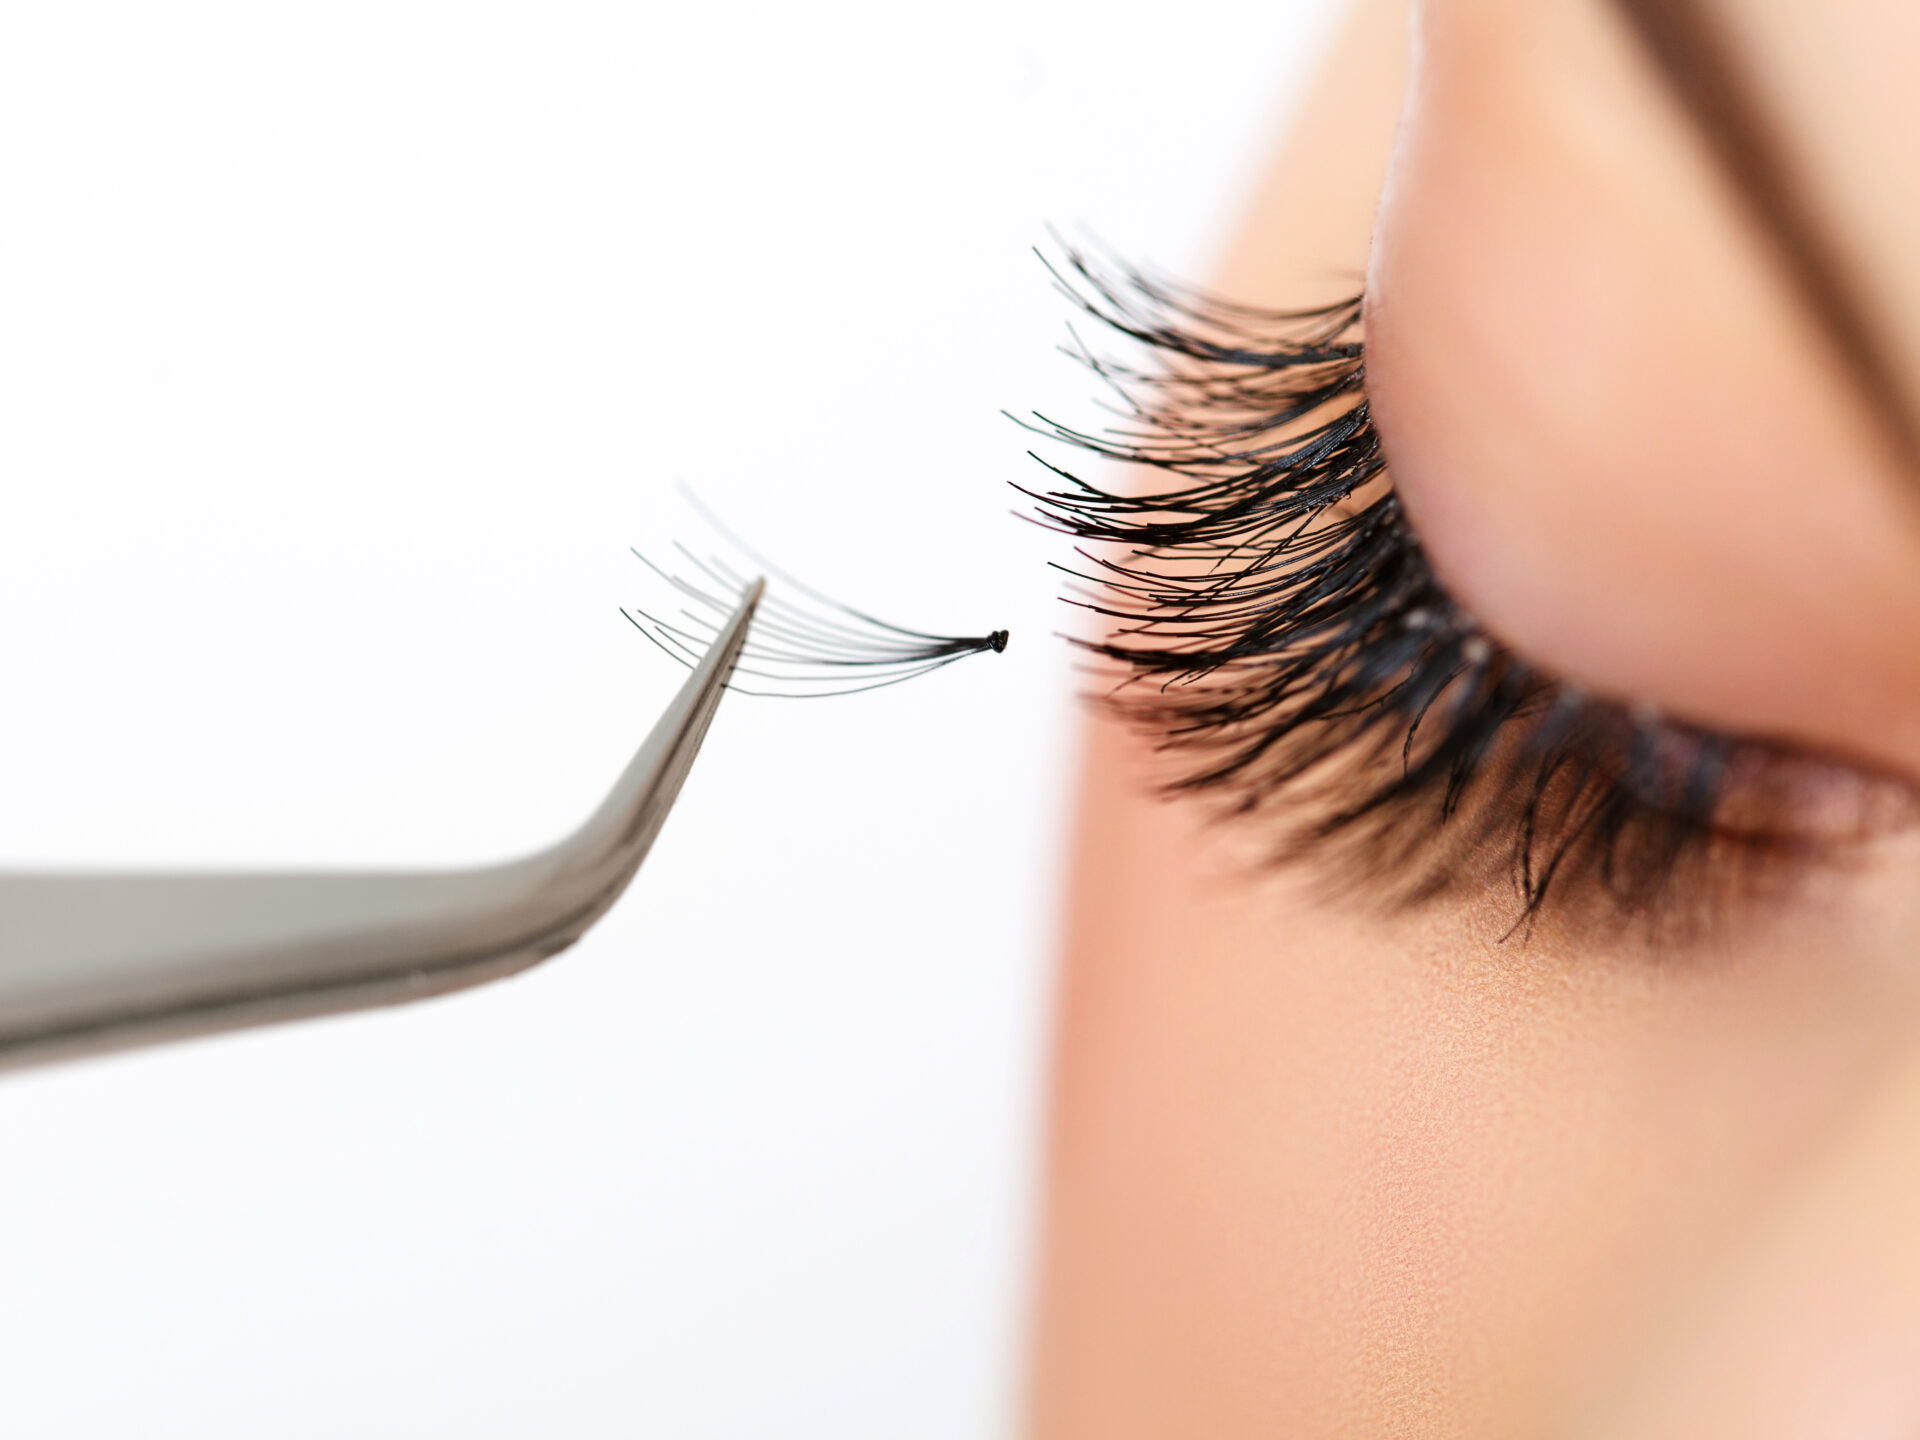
column 1319, row 1175
column 1817, row 1331
column 1592, row 382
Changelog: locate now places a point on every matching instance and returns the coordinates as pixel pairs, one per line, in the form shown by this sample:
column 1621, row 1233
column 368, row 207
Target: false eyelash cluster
column 1270, row 616
column 804, row 648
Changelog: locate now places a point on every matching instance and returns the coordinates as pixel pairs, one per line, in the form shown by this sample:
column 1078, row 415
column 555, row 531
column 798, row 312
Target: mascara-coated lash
column 1271, row 619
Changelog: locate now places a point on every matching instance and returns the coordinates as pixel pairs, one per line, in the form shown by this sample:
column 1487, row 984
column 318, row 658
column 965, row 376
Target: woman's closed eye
column 1595, row 564
column 1275, row 622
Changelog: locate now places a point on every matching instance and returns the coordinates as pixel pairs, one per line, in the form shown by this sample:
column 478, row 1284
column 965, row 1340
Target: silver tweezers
column 92, row 962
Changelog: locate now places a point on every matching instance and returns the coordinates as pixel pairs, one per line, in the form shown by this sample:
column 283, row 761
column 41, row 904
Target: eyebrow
column 1693, row 57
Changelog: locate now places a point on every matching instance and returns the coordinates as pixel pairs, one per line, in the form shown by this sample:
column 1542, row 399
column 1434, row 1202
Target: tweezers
column 100, row 961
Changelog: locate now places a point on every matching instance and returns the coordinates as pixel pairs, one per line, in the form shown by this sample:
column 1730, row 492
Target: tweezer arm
column 92, row 962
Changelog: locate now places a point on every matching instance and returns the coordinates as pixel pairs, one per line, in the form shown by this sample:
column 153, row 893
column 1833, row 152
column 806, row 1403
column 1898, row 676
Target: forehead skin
column 1313, row 1172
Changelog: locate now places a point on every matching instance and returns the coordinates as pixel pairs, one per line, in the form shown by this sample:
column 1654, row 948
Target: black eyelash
column 1274, row 622
column 808, row 648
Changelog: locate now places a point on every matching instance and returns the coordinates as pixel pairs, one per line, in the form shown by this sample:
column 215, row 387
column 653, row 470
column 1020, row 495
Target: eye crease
column 1274, row 623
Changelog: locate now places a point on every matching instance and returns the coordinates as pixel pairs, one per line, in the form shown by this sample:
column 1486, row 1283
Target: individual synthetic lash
column 802, row 644
column 1272, row 619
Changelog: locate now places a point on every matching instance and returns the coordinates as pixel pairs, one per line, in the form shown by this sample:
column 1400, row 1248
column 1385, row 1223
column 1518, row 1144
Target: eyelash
column 1273, row 621
column 803, row 645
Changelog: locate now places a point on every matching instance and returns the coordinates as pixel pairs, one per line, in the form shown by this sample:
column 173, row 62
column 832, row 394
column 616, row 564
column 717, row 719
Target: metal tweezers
column 98, row 961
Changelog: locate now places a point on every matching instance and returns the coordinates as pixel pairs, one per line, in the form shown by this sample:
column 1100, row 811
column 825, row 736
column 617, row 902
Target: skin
column 1320, row 1171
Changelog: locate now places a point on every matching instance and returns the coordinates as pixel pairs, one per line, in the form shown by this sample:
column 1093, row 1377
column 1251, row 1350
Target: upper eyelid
column 1693, row 58
column 1556, row 247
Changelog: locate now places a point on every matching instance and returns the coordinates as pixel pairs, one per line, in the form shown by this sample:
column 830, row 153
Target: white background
column 344, row 348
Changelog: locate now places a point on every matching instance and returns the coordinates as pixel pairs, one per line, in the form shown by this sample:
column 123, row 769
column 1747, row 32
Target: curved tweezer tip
column 92, row 962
